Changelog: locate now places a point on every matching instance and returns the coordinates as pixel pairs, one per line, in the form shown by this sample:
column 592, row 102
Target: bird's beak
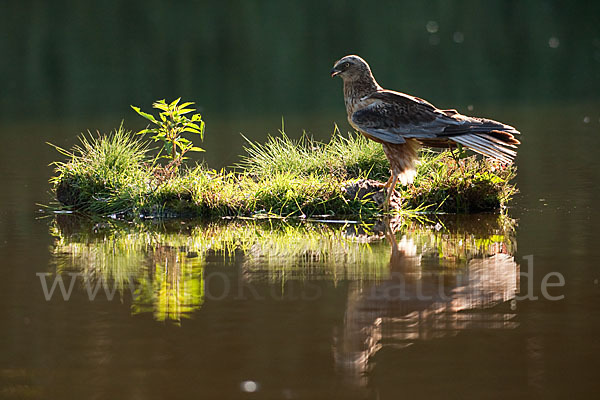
column 334, row 72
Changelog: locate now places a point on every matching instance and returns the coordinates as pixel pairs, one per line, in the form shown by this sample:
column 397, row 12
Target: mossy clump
column 114, row 174
column 466, row 185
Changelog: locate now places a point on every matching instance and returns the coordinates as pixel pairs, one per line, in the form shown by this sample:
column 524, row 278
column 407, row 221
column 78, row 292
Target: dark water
column 429, row 309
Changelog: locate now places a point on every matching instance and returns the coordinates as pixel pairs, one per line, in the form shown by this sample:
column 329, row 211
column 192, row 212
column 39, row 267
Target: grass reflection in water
column 162, row 266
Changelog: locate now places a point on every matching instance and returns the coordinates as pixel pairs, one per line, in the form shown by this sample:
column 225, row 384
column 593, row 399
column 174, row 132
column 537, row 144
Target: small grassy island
column 117, row 174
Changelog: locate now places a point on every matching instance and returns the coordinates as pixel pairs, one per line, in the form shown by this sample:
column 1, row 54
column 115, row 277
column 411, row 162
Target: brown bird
column 403, row 123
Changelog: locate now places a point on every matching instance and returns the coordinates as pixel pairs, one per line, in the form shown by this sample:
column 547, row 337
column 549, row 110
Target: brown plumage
column 402, row 123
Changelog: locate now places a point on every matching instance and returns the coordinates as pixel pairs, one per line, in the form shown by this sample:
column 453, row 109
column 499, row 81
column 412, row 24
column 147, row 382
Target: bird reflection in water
column 419, row 301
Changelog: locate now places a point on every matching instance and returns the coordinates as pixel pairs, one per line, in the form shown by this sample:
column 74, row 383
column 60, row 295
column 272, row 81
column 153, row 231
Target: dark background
column 75, row 59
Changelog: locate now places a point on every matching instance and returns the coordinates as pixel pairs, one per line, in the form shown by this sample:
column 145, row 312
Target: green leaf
column 144, row 131
column 196, row 117
column 159, row 136
column 192, row 130
column 169, row 147
column 186, row 110
column 202, row 130
column 196, row 149
column 161, row 105
column 149, row 117
column 174, row 103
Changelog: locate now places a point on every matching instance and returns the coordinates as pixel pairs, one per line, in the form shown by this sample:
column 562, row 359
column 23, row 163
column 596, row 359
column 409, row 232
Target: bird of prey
column 402, row 123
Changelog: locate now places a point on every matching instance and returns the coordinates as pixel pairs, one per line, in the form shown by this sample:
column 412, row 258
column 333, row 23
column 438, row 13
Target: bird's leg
column 390, row 191
column 389, row 181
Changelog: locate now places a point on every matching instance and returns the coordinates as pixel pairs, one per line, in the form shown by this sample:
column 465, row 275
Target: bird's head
column 351, row 68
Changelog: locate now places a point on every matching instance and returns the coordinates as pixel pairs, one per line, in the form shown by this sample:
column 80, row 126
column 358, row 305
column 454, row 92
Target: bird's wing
column 393, row 117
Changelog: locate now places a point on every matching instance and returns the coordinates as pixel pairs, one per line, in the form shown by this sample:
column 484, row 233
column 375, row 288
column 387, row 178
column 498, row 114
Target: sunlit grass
column 104, row 173
column 470, row 185
column 352, row 156
column 115, row 174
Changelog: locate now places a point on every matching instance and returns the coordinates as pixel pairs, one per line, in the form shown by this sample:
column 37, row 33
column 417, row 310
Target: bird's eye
column 346, row 64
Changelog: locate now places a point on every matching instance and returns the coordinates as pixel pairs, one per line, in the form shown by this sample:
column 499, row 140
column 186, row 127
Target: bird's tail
column 490, row 138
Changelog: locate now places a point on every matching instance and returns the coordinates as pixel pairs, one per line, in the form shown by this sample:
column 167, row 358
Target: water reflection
column 161, row 265
column 399, row 282
column 438, row 284
column 161, row 271
column 403, row 275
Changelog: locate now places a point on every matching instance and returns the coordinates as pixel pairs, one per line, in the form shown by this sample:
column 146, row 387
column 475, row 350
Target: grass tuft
column 103, row 174
column 473, row 184
column 346, row 157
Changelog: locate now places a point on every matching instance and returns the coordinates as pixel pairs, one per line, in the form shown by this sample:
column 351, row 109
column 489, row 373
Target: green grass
column 476, row 185
column 116, row 174
column 103, row 174
column 343, row 157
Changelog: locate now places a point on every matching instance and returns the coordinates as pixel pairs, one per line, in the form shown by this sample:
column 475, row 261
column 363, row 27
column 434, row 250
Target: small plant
column 170, row 126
